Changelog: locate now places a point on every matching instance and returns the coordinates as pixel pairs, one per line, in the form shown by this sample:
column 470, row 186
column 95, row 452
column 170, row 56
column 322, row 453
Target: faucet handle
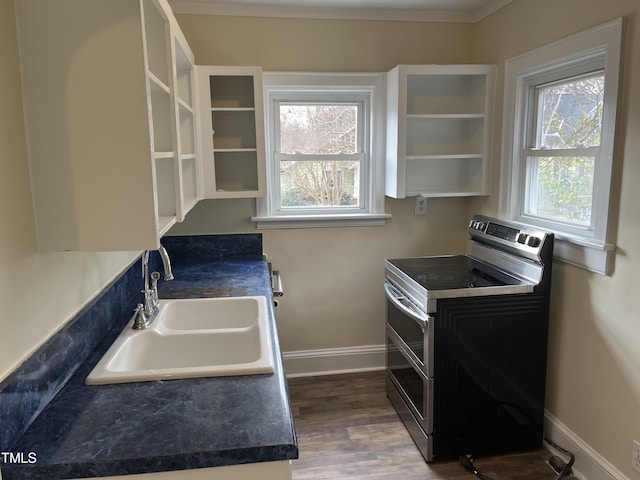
column 139, row 318
column 155, row 276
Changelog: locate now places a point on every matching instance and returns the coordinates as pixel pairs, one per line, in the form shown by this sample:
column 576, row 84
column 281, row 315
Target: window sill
column 317, row 221
column 594, row 256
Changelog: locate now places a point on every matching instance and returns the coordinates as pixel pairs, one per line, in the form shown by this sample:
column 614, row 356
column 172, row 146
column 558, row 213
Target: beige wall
column 332, row 276
column 593, row 384
column 38, row 292
column 323, row 45
column 594, row 359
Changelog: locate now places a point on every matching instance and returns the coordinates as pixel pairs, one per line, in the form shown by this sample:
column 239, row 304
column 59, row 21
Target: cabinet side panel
column 393, row 176
column 489, row 99
column 87, row 121
column 260, row 135
column 46, row 129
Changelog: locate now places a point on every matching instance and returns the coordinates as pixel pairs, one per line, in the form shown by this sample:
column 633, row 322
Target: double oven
column 467, row 342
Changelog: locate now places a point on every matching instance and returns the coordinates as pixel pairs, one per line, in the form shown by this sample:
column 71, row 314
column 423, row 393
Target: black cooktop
column 452, row 272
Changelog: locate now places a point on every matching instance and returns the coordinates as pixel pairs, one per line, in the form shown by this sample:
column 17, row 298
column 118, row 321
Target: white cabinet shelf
column 109, row 115
column 439, row 120
column 232, row 126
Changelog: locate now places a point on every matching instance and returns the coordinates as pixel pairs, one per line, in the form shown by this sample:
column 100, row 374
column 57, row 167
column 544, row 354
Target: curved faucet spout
column 166, row 263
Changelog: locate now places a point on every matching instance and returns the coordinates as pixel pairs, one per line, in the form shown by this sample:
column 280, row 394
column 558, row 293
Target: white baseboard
column 589, row 464
column 333, row 361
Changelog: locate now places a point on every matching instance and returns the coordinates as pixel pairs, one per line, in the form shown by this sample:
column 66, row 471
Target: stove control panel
column 507, row 235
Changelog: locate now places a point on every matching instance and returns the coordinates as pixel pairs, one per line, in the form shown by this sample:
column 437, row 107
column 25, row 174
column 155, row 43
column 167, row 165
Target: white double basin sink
column 190, row 338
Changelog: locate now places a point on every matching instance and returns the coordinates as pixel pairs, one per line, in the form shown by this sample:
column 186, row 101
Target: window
column 319, row 150
column 324, row 151
column 559, row 131
column 563, row 146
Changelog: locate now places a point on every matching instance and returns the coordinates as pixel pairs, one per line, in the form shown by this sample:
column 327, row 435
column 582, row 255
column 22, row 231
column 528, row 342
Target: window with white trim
column 324, row 150
column 558, row 142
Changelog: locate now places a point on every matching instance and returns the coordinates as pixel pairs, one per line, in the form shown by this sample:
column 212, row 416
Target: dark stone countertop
column 130, row 428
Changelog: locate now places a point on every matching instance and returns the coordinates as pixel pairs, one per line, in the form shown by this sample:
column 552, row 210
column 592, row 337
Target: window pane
column 318, row 128
column 561, row 188
column 571, row 113
column 328, row 183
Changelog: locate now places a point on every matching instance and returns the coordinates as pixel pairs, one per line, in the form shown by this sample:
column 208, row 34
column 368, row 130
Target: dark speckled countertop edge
column 207, row 279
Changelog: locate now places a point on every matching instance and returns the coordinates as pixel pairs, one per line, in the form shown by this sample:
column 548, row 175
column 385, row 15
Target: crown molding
column 207, row 7
column 490, row 9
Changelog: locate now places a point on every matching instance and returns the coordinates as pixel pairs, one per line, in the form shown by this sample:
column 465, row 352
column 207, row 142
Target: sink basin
column 210, row 313
column 202, row 337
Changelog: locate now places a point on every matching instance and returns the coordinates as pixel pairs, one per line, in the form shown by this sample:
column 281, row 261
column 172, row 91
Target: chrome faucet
column 145, row 313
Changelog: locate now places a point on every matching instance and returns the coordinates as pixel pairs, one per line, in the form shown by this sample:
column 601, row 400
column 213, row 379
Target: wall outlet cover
column 635, row 456
column 421, row 206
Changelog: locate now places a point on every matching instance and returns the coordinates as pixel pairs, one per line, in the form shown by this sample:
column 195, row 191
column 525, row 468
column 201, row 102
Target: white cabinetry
column 107, row 88
column 439, row 127
column 188, row 165
column 232, row 131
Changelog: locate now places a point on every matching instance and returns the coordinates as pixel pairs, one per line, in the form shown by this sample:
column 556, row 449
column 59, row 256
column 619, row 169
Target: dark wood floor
column 347, row 429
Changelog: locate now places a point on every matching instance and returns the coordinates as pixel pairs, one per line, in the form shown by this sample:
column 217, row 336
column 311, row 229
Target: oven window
column 409, row 380
column 410, row 332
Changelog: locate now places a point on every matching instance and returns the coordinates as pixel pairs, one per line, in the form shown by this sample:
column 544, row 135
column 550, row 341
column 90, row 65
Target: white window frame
column 596, row 49
column 366, row 90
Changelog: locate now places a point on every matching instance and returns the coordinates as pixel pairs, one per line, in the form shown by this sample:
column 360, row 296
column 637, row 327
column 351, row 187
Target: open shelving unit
column 232, row 128
column 439, row 130
column 113, row 166
column 158, row 60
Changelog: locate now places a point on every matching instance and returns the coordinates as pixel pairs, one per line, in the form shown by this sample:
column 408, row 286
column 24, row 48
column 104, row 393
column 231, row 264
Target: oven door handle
column 396, row 297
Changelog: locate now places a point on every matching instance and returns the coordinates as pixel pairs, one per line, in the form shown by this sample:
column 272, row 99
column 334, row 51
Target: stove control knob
column 533, row 242
column 522, row 238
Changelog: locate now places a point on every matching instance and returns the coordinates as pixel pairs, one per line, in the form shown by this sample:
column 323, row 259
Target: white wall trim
column 490, row 9
column 333, row 361
column 589, row 464
column 209, row 7
column 598, row 48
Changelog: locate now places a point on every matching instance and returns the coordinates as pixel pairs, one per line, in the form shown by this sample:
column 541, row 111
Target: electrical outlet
column 635, row 456
column 421, row 206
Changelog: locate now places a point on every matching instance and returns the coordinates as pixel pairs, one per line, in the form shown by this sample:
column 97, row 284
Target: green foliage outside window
column 569, row 119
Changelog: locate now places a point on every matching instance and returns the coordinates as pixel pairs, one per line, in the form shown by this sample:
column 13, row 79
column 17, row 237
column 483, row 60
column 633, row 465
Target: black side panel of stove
column 490, row 372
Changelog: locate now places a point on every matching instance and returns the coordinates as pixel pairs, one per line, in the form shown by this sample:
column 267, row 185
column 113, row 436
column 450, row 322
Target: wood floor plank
column 347, row 429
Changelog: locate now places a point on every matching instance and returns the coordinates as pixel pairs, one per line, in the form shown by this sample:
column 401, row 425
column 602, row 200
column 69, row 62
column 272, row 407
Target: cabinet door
column 439, row 124
column 232, row 132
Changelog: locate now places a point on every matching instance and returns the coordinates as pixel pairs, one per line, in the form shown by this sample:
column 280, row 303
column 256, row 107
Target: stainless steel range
column 467, row 342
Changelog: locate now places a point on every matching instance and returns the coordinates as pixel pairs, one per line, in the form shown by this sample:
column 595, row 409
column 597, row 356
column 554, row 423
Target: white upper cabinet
column 188, row 164
column 108, row 96
column 232, row 131
column 439, row 127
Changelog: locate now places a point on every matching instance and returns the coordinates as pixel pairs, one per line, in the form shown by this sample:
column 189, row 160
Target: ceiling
column 401, row 10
